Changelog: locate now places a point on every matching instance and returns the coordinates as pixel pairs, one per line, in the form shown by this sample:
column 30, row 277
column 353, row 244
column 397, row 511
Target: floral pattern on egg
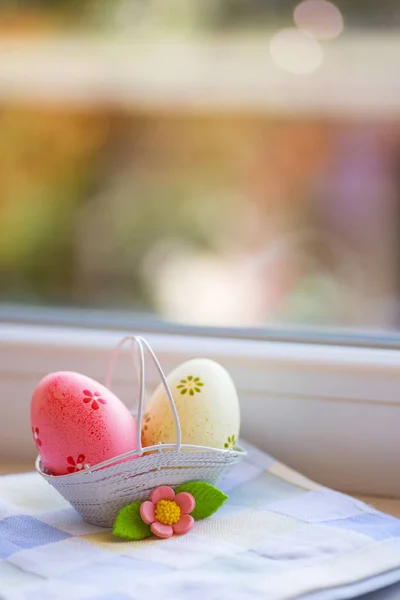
column 75, row 466
column 94, row 399
column 191, row 385
column 37, row 440
column 231, row 443
column 146, row 421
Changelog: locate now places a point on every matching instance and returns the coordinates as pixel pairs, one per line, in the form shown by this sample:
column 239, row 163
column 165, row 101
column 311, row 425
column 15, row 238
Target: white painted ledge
column 331, row 412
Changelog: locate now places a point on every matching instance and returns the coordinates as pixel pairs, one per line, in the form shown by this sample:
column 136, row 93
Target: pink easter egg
column 77, row 421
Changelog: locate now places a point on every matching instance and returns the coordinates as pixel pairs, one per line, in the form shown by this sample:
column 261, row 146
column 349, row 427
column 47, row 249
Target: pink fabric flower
column 167, row 513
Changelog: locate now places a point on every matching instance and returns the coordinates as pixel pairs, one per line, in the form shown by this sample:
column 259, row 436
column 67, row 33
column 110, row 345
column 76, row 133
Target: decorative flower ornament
column 168, row 512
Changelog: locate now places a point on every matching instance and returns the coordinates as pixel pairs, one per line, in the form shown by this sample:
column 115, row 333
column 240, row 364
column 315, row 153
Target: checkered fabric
column 279, row 536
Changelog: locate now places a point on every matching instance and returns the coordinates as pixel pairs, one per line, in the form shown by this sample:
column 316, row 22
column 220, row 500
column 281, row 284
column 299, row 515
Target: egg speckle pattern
column 207, row 404
column 77, row 421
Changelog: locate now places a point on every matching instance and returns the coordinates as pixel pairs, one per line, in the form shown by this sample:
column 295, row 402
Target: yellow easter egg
column 207, row 405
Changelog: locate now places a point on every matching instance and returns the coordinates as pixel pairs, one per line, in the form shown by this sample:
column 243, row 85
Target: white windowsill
column 330, row 412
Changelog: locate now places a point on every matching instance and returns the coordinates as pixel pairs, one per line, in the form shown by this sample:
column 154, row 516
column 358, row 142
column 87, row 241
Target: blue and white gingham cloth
column 279, row 536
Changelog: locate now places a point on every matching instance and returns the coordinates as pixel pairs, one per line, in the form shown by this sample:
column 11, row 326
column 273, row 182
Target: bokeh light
column 296, row 51
column 202, row 288
column 320, row 18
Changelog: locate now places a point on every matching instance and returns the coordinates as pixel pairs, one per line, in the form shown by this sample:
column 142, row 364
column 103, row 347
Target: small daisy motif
column 191, row 385
column 94, row 399
column 75, row 466
column 35, row 433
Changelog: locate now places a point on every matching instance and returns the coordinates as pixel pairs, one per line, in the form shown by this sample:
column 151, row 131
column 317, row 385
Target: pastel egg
column 77, row 421
column 207, row 405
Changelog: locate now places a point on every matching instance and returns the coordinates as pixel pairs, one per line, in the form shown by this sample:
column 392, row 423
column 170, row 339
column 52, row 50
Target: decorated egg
column 76, row 421
column 207, row 405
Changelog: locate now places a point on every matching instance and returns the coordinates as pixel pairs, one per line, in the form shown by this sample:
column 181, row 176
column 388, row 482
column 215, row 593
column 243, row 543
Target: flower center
column 167, row 512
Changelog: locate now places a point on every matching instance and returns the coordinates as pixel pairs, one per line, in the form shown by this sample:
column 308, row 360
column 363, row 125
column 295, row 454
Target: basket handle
column 140, row 343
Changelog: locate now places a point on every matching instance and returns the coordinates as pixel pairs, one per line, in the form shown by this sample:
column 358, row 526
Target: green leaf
column 129, row 523
column 208, row 498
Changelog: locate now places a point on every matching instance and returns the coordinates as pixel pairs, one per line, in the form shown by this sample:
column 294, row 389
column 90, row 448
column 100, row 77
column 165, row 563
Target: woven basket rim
column 238, row 451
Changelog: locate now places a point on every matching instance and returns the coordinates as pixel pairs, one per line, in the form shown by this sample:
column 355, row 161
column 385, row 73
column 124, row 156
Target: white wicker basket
column 100, row 491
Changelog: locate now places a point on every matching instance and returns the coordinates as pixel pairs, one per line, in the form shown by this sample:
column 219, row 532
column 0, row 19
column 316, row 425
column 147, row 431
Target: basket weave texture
column 100, row 491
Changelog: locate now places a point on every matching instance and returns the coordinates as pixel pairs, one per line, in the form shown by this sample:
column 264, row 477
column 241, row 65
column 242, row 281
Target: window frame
column 118, row 320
